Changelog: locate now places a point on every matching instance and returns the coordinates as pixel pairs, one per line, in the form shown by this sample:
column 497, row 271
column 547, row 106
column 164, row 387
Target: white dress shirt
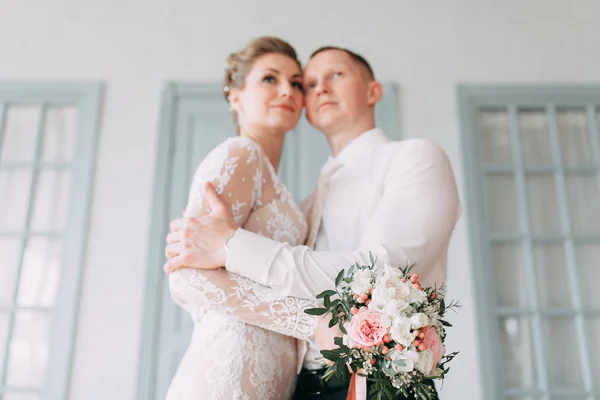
column 396, row 196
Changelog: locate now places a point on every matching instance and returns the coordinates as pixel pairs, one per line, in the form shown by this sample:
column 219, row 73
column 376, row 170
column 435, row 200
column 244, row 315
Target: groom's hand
column 200, row 242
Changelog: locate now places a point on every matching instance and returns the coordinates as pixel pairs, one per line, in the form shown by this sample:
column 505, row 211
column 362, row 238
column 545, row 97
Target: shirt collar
column 362, row 146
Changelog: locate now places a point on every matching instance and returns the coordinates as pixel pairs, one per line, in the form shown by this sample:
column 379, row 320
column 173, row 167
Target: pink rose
column 365, row 329
column 433, row 342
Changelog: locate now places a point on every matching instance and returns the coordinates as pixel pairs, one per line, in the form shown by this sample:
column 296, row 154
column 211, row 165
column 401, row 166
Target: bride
column 227, row 358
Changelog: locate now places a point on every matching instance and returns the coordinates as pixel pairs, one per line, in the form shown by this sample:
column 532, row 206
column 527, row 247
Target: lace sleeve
column 236, row 170
column 250, row 302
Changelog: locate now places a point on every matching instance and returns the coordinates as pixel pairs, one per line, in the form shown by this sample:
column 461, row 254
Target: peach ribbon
column 358, row 388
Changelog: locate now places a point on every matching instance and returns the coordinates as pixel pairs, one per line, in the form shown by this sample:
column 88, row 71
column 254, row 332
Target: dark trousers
column 340, row 394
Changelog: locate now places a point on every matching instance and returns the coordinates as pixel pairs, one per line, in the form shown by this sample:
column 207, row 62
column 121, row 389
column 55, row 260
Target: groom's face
column 336, row 91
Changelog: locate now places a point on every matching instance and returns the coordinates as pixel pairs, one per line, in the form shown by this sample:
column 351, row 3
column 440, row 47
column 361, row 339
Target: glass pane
column 493, row 125
column 562, row 353
column 509, row 276
column 593, row 338
column 51, row 201
column 598, row 122
column 14, row 198
column 9, row 259
column 584, row 203
column 3, row 338
column 29, row 349
column 543, row 205
column 20, row 134
column 518, row 398
column 41, row 269
column 574, row 137
column 59, row 134
column 551, row 275
column 21, row 396
column 517, row 353
column 501, row 203
column 588, row 266
column 535, row 140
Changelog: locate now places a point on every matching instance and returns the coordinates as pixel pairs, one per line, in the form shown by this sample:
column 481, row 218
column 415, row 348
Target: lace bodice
column 219, row 301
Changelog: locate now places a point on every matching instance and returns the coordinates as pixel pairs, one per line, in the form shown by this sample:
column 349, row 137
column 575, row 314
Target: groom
column 373, row 194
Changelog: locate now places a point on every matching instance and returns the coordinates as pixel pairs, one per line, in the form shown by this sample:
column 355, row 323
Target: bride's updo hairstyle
column 239, row 64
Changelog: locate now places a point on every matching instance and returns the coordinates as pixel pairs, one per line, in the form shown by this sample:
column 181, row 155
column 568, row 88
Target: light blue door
column 48, row 136
column 532, row 163
column 194, row 120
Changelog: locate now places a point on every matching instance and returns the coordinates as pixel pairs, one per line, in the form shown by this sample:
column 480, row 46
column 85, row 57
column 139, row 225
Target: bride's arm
column 235, row 170
column 231, row 294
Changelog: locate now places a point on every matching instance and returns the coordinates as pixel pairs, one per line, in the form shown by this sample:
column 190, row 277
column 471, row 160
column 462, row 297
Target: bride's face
column 272, row 96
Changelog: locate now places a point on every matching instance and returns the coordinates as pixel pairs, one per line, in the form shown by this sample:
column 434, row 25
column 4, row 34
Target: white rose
column 361, row 282
column 405, row 366
column 401, row 305
column 419, row 320
column 402, row 289
column 385, row 307
column 425, row 363
column 416, row 296
column 392, row 277
column 408, row 358
column 401, row 332
column 383, row 294
column 385, row 321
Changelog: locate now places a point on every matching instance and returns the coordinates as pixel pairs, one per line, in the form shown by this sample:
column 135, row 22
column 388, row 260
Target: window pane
column 563, row 365
column 493, row 125
column 501, row 203
column 519, row 398
column 29, row 349
column 598, row 122
column 59, row 134
column 593, row 337
column 551, row 275
column 41, row 268
column 535, row 140
column 20, row 134
column 584, row 203
column 508, row 274
column 3, row 338
column 543, row 205
column 517, row 353
column 51, row 201
column 574, row 137
column 9, row 259
column 14, row 198
column 588, row 263
column 21, row 396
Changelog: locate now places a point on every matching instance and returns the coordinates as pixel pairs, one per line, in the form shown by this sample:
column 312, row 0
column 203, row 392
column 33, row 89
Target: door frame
column 172, row 93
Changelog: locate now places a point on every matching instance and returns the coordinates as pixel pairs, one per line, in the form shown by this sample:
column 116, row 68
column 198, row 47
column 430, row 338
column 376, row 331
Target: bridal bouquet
column 393, row 330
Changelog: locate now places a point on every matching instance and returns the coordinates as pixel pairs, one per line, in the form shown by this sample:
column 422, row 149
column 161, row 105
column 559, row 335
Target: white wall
column 135, row 46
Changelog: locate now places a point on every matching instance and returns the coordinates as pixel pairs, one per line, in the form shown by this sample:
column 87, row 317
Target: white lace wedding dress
column 227, row 358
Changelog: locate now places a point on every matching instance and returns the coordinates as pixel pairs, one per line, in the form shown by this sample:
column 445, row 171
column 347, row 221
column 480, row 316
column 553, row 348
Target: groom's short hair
column 356, row 57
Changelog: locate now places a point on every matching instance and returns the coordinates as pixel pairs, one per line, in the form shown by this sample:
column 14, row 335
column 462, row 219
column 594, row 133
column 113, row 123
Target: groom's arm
column 413, row 223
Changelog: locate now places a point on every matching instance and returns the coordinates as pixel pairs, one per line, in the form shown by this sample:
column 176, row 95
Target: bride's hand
column 324, row 335
column 200, row 242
